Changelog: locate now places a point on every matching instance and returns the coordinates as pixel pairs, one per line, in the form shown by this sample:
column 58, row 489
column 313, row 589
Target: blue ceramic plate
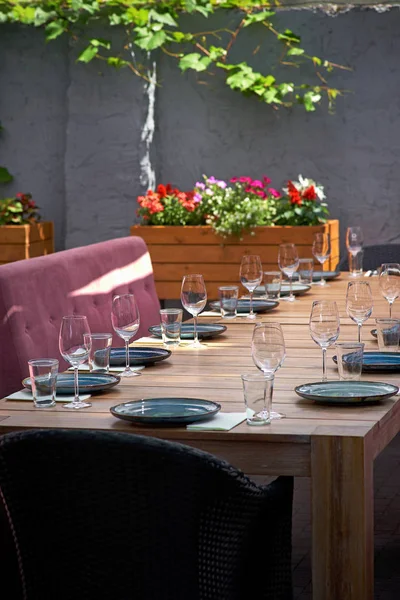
column 379, row 362
column 138, row 356
column 166, row 411
column 317, row 275
column 204, row 330
column 88, row 384
column 244, row 305
column 346, row 392
column 298, row 290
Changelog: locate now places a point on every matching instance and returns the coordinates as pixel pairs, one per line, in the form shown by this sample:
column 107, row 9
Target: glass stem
column 390, row 309
column 290, row 286
column 324, row 375
column 271, row 391
column 127, row 354
column 76, row 383
column 359, row 325
column 251, row 304
column 196, row 337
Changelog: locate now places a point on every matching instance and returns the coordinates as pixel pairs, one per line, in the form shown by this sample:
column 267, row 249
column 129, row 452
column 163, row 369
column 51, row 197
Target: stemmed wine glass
column 359, row 303
column 354, row 243
column 321, row 249
column 194, row 299
column 389, row 283
column 125, row 320
column 324, row 327
column 268, row 352
column 74, row 350
column 251, row 277
column 288, row 261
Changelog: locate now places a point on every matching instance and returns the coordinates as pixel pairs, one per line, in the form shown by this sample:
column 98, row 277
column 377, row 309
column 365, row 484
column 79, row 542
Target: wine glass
column 389, row 283
column 324, row 327
column 125, row 320
column 194, row 299
column 251, row 277
column 288, row 261
column 321, row 249
column 354, row 243
column 74, row 350
column 359, row 303
column 268, row 352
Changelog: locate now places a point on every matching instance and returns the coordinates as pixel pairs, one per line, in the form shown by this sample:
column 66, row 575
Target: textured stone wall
column 74, row 132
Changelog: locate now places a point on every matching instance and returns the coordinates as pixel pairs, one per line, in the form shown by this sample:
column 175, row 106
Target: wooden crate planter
column 25, row 241
column 176, row 251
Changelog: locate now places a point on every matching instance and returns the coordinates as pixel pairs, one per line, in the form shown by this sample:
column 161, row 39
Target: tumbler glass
column 43, row 373
column 228, row 300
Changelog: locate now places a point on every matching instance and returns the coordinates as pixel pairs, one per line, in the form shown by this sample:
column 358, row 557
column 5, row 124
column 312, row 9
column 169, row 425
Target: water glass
column 359, row 302
column 99, row 345
column 389, row 283
column 288, row 261
column 125, row 319
column 257, row 390
column 388, row 334
column 74, row 350
column 321, row 249
column 324, row 327
column 349, row 360
column 194, row 299
column 305, row 270
column 356, row 263
column 43, row 373
column 171, row 324
column 228, row 300
column 272, row 284
column 251, row 277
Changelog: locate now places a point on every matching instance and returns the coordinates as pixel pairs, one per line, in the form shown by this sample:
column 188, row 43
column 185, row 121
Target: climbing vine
column 157, row 25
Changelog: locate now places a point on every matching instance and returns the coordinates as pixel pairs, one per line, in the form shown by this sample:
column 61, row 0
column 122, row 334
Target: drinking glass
column 171, row 325
column 359, row 303
column 99, row 351
column 125, row 320
column 324, row 327
column 321, row 249
column 43, row 373
column 251, row 277
column 74, row 350
column 194, row 299
column 356, row 263
column 354, row 245
column 389, row 283
column 228, row 300
column 306, row 269
column 257, row 397
column 268, row 353
column 288, row 261
column 388, row 331
column 272, row 283
column 350, row 360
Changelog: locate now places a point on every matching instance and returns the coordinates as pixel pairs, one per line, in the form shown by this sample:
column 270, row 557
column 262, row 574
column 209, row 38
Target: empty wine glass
column 74, row 350
column 268, row 352
column 251, row 277
column 321, row 249
column 389, row 283
column 125, row 320
column 359, row 303
column 194, row 299
column 324, row 327
column 288, row 261
column 354, row 244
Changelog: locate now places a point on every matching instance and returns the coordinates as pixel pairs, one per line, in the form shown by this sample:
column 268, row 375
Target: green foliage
column 5, row 175
column 155, row 24
column 20, row 210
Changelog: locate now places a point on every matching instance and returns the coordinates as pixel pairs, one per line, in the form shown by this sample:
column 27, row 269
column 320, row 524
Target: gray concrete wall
column 73, row 132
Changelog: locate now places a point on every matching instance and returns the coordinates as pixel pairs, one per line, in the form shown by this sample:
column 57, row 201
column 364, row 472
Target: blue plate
column 243, row 306
column 346, row 392
column 138, row 356
column 298, row 289
column 166, row 411
column 204, row 330
column 379, row 362
column 88, row 384
column 317, row 275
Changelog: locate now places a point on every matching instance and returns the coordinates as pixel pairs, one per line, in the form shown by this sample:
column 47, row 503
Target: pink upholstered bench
column 36, row 293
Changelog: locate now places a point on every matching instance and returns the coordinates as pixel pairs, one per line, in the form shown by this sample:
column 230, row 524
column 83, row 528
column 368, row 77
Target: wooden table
column 334, row 446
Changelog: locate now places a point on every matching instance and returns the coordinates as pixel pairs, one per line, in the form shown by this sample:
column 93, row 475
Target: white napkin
column 112, row 369
column 27, row 395
column 210, row 313
column 219, row 422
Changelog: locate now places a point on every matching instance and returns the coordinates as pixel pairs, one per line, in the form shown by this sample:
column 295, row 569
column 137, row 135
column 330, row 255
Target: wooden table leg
column 342, row 519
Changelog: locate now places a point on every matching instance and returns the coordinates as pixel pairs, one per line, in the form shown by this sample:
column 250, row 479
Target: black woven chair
column 109, row 516
column 375, row 256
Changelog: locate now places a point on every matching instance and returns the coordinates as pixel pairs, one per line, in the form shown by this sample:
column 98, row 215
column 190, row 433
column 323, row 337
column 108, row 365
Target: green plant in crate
column 19, row 210
column 5, row 175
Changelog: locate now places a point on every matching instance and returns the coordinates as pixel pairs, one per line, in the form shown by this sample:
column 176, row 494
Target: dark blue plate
column 317, row 275
column 346, row 392
column 298, row 289
column 138, row 356
column 379, row 362
column 244, row 305
column 88, row 384
column 204, row 330
column 166, row 411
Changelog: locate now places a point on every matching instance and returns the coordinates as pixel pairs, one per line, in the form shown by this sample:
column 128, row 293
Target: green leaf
column 117, row 62
column 216, row 52
column 5, row 175
column 241, row 80
column 180, row 37
column 194, row 61
column 151, row 41
column 317, row 61
column 165, row 18
column 258, row 17
column 88, row 54
column 289, row 36
column 97, row 42
column 295, row 51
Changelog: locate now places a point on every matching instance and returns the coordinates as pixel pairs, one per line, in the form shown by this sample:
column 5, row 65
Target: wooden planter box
column 25, row 241
column 176, row 251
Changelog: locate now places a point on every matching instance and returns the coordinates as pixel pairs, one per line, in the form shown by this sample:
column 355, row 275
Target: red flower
column 309, row 193
column 161, row 190
column 294, row 194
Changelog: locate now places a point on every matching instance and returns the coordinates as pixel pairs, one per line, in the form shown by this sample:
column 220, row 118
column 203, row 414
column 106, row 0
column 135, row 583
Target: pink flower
column 234, row 179
column 244, row 179
column 266, row 180
column 274, row 192
column 257, row 183
column 197, row 198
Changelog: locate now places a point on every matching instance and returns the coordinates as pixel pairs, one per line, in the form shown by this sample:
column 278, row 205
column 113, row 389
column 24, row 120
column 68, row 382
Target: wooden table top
column 214, row 373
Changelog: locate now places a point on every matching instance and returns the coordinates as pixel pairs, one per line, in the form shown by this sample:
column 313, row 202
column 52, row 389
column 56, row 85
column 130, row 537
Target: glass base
column 77, row 404
column 291, row 298
column 129, row 373
column 276, row 415
column 196, row 345
column 253, row 316
column 321, row 282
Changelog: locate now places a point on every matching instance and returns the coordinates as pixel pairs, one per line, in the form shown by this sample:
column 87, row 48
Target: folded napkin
column 211, row 313
column 27, row 395
column 219, row 422
column 112, row 369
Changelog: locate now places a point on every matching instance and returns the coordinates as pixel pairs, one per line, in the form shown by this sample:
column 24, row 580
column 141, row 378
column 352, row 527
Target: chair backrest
column 101, row 515
column 375, row 256
column 35, row 294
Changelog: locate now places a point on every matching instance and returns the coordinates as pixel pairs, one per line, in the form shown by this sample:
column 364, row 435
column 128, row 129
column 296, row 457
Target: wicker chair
column 111, row 516
column 375, row 256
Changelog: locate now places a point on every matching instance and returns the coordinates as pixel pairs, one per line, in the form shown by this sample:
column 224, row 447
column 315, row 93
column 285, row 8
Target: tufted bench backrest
column 35, row 294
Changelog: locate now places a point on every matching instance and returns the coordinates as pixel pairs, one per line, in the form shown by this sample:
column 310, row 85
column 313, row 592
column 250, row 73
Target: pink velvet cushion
column 36, row 293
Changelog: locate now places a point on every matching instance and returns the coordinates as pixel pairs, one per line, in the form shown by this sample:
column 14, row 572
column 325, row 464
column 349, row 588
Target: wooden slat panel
column 20, row 234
